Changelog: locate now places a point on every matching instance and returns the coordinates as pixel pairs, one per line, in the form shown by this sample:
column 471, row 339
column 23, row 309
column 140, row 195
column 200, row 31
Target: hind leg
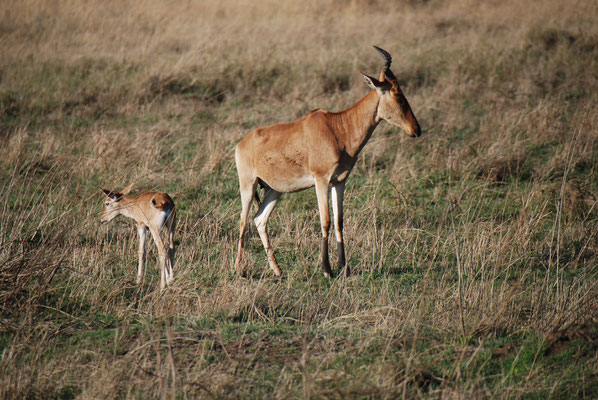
column 164, row 273
column 170, row 251
column 261, row 220
column 247, row 189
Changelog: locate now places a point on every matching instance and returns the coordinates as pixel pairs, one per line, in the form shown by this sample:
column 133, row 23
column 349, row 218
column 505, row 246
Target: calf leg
column 142, row 230
column 164, row 273
column 171, row 228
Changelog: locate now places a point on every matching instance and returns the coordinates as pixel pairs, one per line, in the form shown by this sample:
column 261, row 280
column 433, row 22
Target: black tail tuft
column 264, row 186
column 257, row 198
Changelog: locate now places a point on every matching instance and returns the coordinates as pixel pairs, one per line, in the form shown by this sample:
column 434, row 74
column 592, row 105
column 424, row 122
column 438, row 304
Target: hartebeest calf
column 320, row 150
column 153, row 211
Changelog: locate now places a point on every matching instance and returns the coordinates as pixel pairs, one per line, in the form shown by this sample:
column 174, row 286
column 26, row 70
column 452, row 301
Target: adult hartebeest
column 319, row 149
column 151, row 210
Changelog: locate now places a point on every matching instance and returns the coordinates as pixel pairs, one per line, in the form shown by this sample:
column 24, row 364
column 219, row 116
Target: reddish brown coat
column 319, row 149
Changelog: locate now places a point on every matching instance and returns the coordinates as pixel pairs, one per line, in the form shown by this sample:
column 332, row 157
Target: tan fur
column 153, row 211
column 320, row 150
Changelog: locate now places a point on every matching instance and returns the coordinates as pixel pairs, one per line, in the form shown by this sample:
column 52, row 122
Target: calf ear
column 111, row 195
column 127, row 189
column 380, row 87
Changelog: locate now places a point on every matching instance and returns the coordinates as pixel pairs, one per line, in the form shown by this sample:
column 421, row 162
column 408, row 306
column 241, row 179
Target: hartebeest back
column 153, row 211
column 320, row 150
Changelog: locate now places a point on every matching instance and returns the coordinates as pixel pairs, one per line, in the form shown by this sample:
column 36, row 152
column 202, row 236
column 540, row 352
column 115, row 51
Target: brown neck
column 355, row 125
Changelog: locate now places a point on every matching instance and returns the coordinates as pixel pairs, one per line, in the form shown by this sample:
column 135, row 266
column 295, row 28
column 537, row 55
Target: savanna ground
column 474, row 248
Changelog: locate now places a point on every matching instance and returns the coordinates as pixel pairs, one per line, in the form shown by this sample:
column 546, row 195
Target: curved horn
column 387, row 57
column 387, row 61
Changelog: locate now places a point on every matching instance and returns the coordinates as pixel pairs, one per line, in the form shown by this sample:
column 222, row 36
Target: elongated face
column 394, row 108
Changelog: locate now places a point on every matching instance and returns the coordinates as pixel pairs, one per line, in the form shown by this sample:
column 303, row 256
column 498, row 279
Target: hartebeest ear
column 127, row 189
column 380, row 87
column 107, row 192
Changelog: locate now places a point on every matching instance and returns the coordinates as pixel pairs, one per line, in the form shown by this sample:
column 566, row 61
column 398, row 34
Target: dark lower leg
column 340, row 247
column 325, row 259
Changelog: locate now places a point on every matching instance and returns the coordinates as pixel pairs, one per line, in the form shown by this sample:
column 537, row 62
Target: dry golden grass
column 474, row 248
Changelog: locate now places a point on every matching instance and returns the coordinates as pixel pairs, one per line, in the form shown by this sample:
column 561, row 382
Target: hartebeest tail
column 153, row 211
column 320, row 150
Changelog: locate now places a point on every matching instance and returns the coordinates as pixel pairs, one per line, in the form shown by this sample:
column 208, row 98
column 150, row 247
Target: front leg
column 142, row 230
column 322, row 195
column 338, row 194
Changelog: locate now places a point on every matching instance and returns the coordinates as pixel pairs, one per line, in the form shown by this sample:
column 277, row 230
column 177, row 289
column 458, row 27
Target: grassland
column 474, row 248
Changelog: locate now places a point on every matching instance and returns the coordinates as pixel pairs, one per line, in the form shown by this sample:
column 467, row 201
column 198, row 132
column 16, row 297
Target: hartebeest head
column 393, row 107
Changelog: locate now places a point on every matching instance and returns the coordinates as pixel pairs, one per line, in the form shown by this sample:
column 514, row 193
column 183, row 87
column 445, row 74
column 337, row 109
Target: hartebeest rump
column 151, row 210
column 320, row 150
